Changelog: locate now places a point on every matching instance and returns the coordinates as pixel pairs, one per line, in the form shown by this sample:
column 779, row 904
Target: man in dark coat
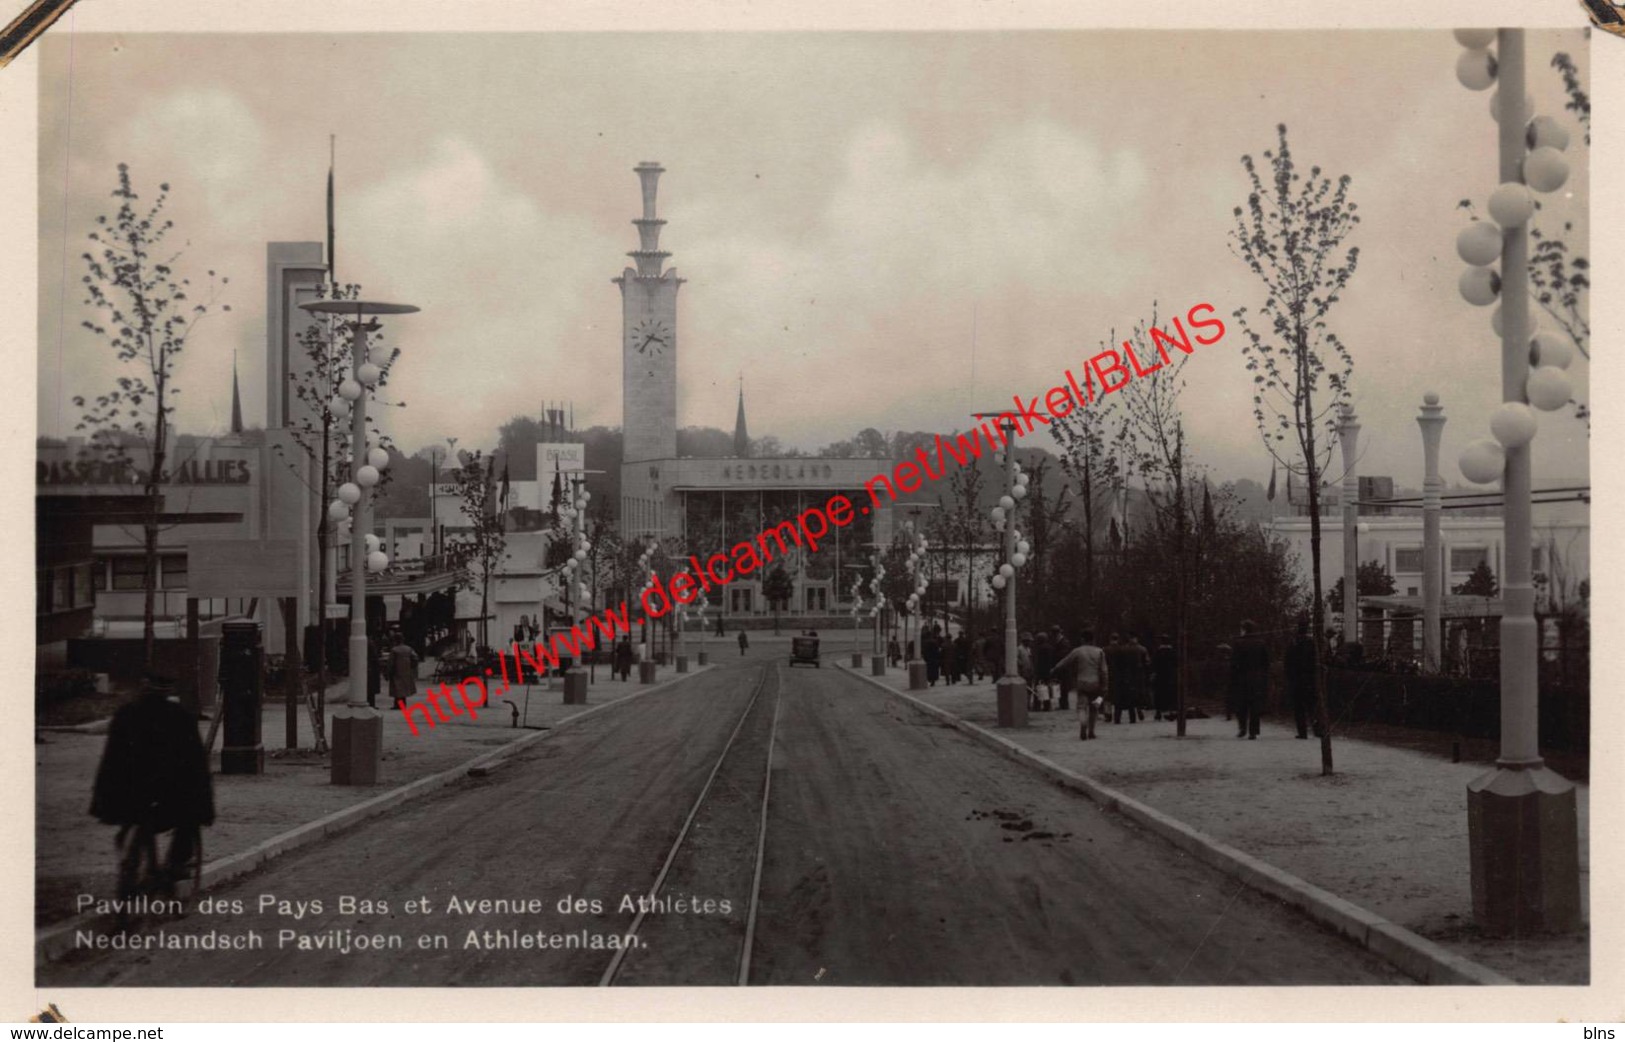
column 622, row 665
column 1165, row 679
column 1126, row 662
column 744, row 642
column 1300, row 678
column 403, row 671
column 154, row 777
column 931, row 654
column 1249, row 679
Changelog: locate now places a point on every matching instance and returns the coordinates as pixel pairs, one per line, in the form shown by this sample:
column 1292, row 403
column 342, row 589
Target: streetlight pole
column 1432, row 423
column 1523, row 834
column 1012, row 689
column 358, row 728
column 1348, row 437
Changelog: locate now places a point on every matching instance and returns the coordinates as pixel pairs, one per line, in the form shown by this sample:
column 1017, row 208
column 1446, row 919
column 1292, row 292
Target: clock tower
column 649, row 337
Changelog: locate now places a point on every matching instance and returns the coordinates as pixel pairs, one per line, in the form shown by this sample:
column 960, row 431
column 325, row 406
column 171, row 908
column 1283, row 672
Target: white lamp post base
column 916, row 675
column 1012, row 702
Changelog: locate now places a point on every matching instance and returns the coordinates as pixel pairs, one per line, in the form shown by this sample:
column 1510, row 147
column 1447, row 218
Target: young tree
column 1045, row 520
column 146, row 314
column 1089, row 442
column 1480, row 582
column 1152, row 436
column 1291, row 236
column 965, row 526
column 480, row 550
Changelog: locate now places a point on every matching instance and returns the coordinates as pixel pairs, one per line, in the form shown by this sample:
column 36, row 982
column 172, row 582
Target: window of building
column 1466, row 558
column 1408, row 560
column 1411, row 591
column 128, row 572
column 84, row 586
column 103, row 572
column 61, row 589
column 173, row 571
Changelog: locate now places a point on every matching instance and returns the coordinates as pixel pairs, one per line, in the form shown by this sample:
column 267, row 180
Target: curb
column 52, row 942
column 1411, row 953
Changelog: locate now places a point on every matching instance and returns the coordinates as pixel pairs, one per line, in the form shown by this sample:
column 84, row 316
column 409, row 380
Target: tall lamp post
column 1523, row 834
column 1348, row 437
column 358, row 728
column 918, row 568
column 1012, row 689
column 1432, row 423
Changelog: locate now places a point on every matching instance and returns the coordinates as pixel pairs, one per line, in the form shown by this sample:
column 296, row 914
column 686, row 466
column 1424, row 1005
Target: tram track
column 717, row 854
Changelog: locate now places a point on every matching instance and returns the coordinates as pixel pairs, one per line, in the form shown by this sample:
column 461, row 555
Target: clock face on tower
column 650, row 338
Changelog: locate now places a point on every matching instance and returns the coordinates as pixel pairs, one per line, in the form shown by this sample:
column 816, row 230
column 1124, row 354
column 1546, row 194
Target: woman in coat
column 1165, row 679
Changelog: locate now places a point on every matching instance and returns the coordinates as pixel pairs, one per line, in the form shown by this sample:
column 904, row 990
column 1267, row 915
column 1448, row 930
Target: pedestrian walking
column 931, row 651
column 1058, row 649
column 1043, row 662
column 1301, row 662
column 1165, row 679
column 1024, row 669
column 403, row 671
column 621, row 665
column 1249, row 679
column 962, row 657
column 993, row 649
column 154, row 778
column 893, row 652
column 1086, row 665
column 743, row 643
column 1127, row 663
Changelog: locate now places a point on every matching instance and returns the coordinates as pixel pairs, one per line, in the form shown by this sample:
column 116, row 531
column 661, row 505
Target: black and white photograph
column 905, row 506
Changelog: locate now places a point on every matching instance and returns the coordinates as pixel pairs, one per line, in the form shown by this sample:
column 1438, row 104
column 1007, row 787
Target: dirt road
column 898, row 852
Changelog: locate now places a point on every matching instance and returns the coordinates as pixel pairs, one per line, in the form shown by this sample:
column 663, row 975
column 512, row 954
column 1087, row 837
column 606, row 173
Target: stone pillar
column 242, row 675
column 1432, row 423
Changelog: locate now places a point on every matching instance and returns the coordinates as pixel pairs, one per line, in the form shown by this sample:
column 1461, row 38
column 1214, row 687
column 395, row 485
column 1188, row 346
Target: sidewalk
column 74, row 852
column 1387, row 831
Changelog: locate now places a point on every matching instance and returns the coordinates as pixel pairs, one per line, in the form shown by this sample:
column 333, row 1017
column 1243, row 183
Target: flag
column 331, row 277
column 1271, row 493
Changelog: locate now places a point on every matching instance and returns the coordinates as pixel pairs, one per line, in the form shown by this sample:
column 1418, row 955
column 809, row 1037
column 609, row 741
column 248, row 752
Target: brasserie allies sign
column 95, row 472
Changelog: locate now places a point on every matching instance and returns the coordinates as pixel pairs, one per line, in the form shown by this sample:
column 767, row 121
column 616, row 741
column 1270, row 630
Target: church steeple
column 236, row 399
column 741, row 435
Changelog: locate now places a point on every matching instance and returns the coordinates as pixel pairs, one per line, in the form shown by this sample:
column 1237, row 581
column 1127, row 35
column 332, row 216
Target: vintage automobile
column 804, row 649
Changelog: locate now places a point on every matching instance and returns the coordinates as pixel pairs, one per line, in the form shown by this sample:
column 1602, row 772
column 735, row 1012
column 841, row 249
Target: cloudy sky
column 877, row 229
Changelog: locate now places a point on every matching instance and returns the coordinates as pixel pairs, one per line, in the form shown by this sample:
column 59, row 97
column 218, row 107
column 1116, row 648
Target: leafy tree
column 1291, row 236
column 1044, row 519
column 965, row 527
column 479, row 551
column 149, row 315
column 1480, row 582
column 1371, row 579
column 1090, row 457
column 778, row 588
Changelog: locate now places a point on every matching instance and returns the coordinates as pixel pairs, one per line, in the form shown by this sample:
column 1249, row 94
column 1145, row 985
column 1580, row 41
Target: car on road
column 804, row 649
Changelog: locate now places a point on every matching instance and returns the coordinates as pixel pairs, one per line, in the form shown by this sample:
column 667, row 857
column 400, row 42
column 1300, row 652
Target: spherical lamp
column 349, row 390
column 1479, row 286
column 377, row 561
column 349, row 493
column 1476, row 39
column 368, row 373
column 998, row 582
column 1482, row 461
column 1479, row 243
column 1546, row 132
column 1513, row 424
column 581, row 555
column 997, row 514
column 338, row 510
column 1018, row 559
column 1549, row 388
column 1476, row 69
column 1495, row 105
column 1545, row 169
column 366, row 475
column 1511, row 204
column 1006, row 571
column 1006, row 502
column 1024, row 547
column 377, row 457
column 1553, row 349
column 1020, row 492
column 372, row 541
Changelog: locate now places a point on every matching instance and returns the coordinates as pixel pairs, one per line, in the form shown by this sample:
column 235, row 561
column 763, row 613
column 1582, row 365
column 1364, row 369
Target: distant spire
column 741, row 435
column 236, row 399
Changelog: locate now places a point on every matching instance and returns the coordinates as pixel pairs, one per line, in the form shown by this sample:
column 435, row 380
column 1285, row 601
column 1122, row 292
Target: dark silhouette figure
column 154, row 778
column 1165, row 679
column 1300, row 679
column 1249, row 679
column 743, row 642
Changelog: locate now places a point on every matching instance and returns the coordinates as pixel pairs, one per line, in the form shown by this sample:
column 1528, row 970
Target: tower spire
column 741, row 435
column 236, row 399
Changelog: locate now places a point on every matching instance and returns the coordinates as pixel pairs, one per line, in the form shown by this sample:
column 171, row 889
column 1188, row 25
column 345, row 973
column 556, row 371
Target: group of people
column 1124, row 674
